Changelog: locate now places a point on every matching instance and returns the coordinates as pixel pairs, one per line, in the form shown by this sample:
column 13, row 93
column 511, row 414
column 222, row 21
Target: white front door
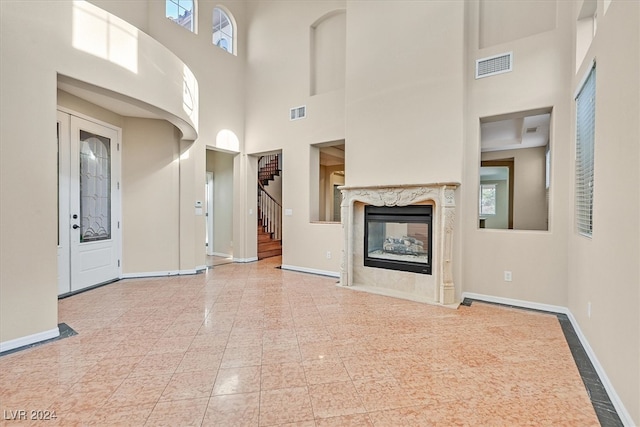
column 89, row 203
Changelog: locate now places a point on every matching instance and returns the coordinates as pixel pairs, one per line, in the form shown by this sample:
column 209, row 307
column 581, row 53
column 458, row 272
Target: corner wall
column 603, row 269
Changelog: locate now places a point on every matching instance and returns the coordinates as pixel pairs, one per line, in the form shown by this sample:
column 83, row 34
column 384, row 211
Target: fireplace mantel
column 437, row 288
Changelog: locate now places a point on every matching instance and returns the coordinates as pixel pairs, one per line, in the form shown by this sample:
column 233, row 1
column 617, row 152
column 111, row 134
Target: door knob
column 76, row 226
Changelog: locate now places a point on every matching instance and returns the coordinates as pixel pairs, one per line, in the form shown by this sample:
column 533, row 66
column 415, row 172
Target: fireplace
column 398, row 238
column 399, row 241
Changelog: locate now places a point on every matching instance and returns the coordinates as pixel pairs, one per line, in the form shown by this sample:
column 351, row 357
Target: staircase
column 267, row 246
column 269, row 210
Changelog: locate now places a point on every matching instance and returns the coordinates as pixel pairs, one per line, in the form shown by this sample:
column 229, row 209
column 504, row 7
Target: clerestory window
column 182, row 13
column 222, row 30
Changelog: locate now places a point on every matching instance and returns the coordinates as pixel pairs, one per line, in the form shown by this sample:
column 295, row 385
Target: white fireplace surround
column 436, row 288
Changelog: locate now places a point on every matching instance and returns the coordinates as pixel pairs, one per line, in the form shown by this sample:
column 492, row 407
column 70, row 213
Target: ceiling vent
column 298, row 113
column 493, row 65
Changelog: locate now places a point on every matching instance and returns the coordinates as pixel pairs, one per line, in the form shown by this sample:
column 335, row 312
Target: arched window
column 182, row 13
column 222, row 30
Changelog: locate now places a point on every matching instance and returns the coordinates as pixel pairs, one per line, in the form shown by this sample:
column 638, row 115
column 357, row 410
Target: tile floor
column 252, row 345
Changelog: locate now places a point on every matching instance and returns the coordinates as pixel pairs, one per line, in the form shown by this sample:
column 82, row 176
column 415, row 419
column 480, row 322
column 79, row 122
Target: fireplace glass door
column 398, row 238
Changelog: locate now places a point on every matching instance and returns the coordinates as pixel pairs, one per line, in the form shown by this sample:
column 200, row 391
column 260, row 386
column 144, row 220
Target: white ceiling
column 514, row 132
column 332, row 156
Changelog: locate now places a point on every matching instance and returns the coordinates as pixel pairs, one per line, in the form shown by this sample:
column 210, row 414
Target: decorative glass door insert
column 95, row 187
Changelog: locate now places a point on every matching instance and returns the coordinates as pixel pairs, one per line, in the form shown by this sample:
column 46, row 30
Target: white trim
column 90, row 119
column 29, row 339
column 517, row 302
column 311, row 270
column 584, row 78
column 200, row 268
column 163, row 273
column 150, row 274
column 624, row 415
column 252, row 259
column 220, row 254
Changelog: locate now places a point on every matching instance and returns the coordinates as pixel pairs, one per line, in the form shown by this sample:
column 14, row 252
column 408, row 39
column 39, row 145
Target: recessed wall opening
column 515, row 171
column 327, row 174
column 398, row 237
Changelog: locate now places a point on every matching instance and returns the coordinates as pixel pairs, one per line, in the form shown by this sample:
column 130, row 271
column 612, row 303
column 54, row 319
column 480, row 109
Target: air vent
column 298, row 113
column 493, row 65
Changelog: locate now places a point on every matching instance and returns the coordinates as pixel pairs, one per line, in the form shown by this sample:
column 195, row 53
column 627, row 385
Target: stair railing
column 268, row 167
column 270, row 212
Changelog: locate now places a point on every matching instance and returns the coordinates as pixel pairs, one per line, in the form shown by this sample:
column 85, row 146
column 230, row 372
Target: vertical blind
column 585, row 135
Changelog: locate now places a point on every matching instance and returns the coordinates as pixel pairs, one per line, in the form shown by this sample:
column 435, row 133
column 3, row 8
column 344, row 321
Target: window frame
column 230, row 36
column 177, row 3
column 494, row 187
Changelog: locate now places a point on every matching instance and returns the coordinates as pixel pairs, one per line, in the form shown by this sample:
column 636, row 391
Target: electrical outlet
column 328, row 254
column 507, row 276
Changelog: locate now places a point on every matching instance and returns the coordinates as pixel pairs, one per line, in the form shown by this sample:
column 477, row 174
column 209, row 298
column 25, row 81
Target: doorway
column 209, row 198
column 89, row 234
column 219, row 196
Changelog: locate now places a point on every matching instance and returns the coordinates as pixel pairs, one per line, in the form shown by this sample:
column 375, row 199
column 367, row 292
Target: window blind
column 585, row 135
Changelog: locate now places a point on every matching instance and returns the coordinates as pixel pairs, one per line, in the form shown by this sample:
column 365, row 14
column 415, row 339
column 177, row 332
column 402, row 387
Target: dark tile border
column 88, row 288
column 65, row 332
column 605, row 411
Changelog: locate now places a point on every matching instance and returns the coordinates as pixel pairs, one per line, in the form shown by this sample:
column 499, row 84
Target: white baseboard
column 624, row 415
column 252, row 259
column 163, row 273
column 200, row 268
column 310, row 270
column 220, row 254
column 150, row 274
column 29, row 339
column 517, row 302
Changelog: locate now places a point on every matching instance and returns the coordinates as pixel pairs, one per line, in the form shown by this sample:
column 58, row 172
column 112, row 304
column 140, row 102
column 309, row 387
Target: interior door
column 93, row 198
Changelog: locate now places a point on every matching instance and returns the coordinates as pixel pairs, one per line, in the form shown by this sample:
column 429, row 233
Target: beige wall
column 603, row 270
column 150, row 197
column 405, row 92
column 221, row 85
column 537, row 259
column 134, row 12
column 278, row 78
column 502, row 21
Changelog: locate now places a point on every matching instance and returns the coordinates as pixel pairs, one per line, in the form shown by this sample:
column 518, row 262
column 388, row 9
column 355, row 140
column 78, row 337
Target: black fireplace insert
column 398, row 237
